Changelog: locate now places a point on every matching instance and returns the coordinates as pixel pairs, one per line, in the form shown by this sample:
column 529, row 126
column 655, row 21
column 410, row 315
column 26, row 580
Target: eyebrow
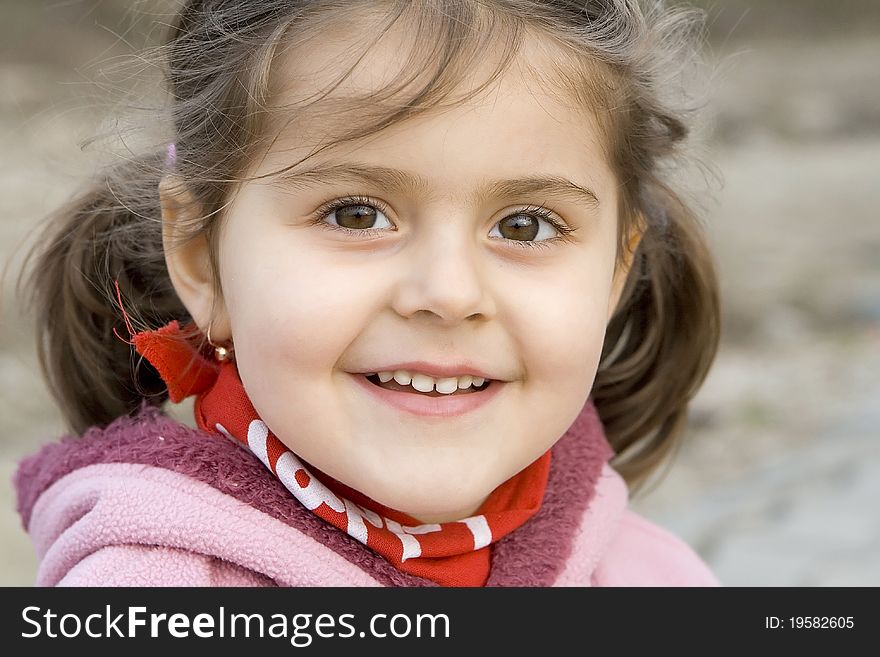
column 399, row 181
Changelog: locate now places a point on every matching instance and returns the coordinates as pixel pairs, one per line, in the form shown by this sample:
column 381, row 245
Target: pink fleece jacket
column 151, row 502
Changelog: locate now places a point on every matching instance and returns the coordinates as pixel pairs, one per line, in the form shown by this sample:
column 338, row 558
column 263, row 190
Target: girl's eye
column 525, row 228
column 355, row 215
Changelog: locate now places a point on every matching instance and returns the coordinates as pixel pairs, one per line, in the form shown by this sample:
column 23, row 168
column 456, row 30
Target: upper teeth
column 425, row 383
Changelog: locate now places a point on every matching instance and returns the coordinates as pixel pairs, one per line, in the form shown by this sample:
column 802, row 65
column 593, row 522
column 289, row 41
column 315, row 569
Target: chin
column 426, row 488
column 434, row 504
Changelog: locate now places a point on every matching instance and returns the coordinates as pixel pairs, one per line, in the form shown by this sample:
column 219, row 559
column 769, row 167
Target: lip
column 445, row 371
column 417, row 404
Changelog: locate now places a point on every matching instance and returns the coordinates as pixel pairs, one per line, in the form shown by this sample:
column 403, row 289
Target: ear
column 188, row 262
column 622, row 271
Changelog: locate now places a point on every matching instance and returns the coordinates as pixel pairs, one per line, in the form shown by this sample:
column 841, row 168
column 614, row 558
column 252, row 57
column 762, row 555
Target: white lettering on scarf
column 479, row 527
column 314, row 493
column 356, row 516
column 256, row 438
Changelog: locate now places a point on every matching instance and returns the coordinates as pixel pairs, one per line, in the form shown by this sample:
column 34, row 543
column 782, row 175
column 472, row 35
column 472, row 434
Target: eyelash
column 532, row 210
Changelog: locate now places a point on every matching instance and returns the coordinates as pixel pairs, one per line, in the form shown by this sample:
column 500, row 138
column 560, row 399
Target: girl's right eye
column 355, row 215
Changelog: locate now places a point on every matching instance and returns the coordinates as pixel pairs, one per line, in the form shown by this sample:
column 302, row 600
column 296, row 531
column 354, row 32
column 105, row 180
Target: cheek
column 301, row 308
column 564, row 326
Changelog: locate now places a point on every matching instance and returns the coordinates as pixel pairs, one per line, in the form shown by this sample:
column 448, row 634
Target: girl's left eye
column 358, row 215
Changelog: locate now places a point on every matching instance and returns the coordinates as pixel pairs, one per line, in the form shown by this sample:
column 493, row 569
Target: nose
column 444, row 276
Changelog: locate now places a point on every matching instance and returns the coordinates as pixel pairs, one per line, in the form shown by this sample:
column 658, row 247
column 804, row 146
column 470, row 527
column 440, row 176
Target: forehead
column 339, row 81
column 336, row 81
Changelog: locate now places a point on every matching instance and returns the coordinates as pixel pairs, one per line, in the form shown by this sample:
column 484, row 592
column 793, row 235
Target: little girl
column 418, row 266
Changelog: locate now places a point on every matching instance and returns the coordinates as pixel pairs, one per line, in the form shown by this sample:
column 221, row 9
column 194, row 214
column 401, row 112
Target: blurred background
column 778, row 480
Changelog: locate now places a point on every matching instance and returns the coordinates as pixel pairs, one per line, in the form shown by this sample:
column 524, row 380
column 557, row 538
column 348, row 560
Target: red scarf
column 451, row 553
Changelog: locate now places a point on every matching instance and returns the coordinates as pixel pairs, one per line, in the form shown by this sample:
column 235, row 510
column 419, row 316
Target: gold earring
column 221, row 353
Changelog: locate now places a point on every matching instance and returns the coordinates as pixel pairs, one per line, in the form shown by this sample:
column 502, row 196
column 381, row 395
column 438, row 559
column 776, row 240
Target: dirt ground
column 778, row 479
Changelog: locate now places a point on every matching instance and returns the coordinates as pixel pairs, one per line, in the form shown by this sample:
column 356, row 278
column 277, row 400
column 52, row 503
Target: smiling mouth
column 394, row 385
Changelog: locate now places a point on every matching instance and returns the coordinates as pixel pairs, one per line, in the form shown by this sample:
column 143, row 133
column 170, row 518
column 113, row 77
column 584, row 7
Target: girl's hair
column 617, row 58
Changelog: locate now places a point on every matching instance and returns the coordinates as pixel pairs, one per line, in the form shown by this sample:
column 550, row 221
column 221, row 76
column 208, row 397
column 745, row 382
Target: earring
column 221, row 353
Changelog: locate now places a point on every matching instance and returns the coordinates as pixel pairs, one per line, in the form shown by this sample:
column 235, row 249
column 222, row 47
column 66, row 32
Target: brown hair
column 619, row 59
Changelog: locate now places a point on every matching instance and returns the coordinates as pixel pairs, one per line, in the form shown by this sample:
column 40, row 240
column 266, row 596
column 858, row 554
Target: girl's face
column 445, row 263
